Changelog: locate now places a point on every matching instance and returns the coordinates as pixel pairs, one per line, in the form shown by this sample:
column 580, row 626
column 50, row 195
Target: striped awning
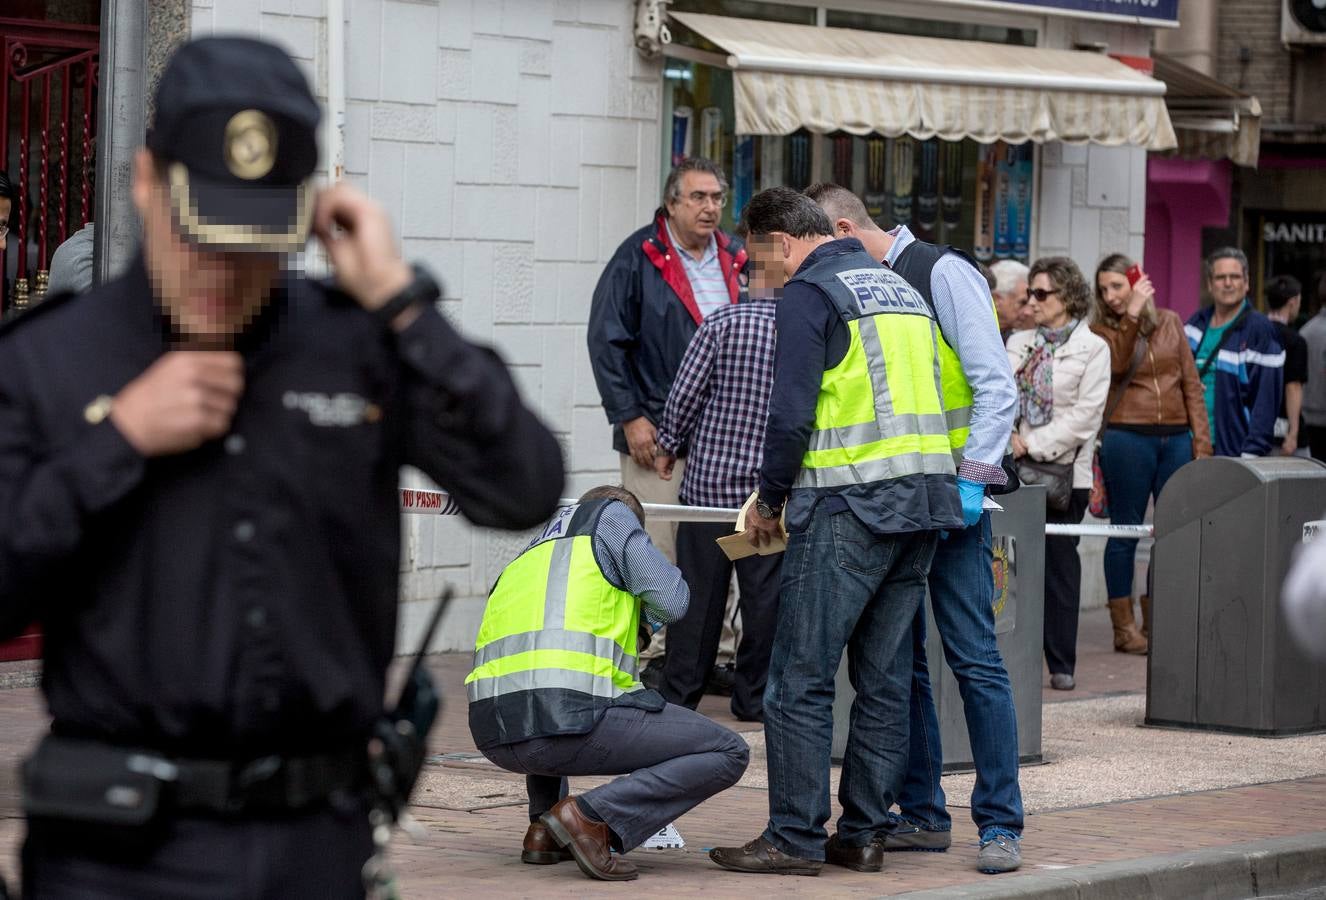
column 1212, row 119
column 788, row 77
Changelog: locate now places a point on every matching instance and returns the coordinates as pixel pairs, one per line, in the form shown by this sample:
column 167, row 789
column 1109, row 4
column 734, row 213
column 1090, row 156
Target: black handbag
column 1056, row 477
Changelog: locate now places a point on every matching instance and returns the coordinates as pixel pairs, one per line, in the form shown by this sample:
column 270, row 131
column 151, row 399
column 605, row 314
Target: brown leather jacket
column 1165, row 389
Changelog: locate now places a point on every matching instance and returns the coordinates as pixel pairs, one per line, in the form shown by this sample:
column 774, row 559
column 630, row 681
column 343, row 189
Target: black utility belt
column 102, row 784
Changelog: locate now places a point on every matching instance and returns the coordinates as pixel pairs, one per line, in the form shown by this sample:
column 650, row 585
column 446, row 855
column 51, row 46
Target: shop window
column 975, row 197
column 961, row 31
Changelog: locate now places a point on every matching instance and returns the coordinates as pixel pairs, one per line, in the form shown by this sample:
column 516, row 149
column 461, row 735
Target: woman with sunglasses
column 1062, row 371
column 1155, row 422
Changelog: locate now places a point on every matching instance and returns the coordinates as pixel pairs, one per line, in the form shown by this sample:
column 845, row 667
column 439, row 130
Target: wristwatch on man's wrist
column 421, row 289
column 766, row 510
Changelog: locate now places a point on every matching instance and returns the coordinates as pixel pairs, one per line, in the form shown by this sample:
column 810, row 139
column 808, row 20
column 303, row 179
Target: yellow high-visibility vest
column 880, row 415
column 558, row 640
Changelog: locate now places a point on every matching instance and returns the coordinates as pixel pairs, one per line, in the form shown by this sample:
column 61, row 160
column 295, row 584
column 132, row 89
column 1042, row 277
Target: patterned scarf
column 1035, row 377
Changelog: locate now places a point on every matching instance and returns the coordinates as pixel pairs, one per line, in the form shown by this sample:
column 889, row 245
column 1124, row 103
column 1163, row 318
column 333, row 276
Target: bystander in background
column 1284, row 296
column 1062, row 371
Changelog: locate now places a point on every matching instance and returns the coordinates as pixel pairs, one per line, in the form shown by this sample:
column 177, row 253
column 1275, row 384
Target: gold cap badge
column 250, row 144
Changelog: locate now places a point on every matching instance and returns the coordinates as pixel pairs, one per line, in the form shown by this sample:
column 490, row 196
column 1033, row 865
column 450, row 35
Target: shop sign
column 1156, row 10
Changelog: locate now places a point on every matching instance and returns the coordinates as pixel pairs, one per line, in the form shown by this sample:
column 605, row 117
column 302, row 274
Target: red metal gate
column 48, row 139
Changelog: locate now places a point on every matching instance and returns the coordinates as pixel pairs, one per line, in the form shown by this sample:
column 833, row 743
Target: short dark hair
column 840, row 203
column 987, row 275
column 672, row 187
column 1233, row 253
column 1282, row 289
column 1068, row 281
column 783, row 209
column 616, row 492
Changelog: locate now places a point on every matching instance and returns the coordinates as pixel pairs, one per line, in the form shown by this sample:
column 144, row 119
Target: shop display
column 743, row 173
column 987, row 157
column 902, row 177
column 771, row 163
column 798, row 175
column 1020, row 203
column 927, row 190
column 876, row 198
column 950, row 198
column 681, row 134
column 711, row 133
column 842, row 159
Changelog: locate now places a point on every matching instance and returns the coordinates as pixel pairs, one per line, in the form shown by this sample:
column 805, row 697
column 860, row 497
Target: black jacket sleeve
column 468, row 429
column 47, row 495
column 807, row 346
column 614, row 335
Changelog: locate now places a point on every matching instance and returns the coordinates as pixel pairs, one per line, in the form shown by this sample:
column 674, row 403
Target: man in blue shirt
column 961, row 577
column 1239, row 358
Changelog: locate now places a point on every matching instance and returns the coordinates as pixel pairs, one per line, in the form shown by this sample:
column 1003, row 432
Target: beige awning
column 788, row 77
column 1212, row 119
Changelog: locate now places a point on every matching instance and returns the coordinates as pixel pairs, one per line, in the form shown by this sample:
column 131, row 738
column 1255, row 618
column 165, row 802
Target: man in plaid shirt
column 717, row 407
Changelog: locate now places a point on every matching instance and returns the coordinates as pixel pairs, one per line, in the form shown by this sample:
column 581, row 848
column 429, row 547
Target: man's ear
column 844, row 228
column 786, row 246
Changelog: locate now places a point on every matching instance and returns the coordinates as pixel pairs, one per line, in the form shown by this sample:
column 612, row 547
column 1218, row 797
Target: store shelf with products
column 977, row 197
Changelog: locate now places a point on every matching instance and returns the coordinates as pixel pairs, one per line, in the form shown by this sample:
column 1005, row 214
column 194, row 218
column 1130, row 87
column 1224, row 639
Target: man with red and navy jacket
column 652, row 296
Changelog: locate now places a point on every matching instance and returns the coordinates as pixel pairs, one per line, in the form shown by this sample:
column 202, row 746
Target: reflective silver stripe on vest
column 887, row 424
column 559, row 576
column 873, row 470
column 575, row 641
column 542, row 679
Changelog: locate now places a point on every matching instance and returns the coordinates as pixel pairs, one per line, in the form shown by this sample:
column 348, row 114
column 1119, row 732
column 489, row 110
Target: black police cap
column 236, row 125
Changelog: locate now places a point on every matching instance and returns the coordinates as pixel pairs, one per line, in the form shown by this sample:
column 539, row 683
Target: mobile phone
column 1134, row 274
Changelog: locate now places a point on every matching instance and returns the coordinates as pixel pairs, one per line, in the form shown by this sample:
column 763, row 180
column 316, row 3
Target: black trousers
column 317, row 855
column 1314, row 438
column 1063, row 587
column 693, row 640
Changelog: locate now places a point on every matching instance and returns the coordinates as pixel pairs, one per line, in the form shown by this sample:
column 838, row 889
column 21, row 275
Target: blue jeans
column 962, row 597
column 1136, row 467
column 843, row 587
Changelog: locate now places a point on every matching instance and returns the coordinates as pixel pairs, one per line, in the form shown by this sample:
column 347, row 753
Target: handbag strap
column 1139, row 351
column 1210, row 360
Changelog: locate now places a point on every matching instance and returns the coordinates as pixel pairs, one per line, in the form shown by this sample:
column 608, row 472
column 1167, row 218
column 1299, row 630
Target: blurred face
column 1228, row 283
column 1114, row 288
column 1011, row 307
column 695, row 214
column 211, row 296
column 1047, row 308
column 765, row 266
column 6, row 207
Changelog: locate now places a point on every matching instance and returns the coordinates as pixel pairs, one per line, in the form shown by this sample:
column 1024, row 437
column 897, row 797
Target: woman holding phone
column 1155, row 421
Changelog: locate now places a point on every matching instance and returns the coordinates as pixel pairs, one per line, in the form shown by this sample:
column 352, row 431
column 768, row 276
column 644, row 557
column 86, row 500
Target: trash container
column 1221, row 656
column 1019, row 570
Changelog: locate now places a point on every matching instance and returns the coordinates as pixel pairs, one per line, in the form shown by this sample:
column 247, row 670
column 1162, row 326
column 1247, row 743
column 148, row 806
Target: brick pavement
column 475, row 852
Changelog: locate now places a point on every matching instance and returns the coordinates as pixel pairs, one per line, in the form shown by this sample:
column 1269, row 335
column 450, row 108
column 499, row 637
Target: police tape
column 439, row 503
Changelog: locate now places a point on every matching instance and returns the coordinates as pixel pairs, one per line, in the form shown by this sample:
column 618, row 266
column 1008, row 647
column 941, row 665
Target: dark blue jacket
column 1249, row 382
column 642, row 318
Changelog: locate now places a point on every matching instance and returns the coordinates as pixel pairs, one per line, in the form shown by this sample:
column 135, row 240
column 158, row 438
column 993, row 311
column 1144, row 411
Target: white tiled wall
column 515, row 143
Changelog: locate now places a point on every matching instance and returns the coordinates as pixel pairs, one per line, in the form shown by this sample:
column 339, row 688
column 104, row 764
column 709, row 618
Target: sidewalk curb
column 1233, row 872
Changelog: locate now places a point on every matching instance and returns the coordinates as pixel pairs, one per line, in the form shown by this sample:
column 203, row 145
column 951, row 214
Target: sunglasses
column 1039, row 294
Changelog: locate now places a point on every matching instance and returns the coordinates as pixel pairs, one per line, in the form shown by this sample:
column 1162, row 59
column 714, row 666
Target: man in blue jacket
column 652, row 296
column 1239, row 358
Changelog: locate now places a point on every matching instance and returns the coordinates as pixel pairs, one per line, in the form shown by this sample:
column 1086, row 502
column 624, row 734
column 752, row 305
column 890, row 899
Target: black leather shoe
column 869, row 858
column 763, row 858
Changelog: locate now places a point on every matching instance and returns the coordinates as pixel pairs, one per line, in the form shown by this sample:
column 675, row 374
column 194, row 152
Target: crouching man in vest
column 554, row 690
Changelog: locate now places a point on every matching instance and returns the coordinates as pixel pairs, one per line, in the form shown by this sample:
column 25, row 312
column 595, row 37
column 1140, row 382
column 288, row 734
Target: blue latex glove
column 972, row 494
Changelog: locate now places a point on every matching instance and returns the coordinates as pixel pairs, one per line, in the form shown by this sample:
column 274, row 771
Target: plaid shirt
column 719, row 403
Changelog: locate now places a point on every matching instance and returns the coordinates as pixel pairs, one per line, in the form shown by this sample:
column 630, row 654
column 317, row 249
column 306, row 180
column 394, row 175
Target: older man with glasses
column 662, row 282
column 1239, row 359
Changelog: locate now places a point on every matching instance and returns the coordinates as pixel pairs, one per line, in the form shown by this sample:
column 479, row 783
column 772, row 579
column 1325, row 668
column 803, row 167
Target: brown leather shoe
column 762, row 857
column 540, row 849
column 1144, row 601
column 869, row 858
column 588, row 842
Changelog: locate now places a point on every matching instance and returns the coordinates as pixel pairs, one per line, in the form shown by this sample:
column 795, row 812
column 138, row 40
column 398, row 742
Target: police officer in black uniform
column 198, row 502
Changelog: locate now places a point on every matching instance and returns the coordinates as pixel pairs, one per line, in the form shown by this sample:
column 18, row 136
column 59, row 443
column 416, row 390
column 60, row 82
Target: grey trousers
column 672, row 761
